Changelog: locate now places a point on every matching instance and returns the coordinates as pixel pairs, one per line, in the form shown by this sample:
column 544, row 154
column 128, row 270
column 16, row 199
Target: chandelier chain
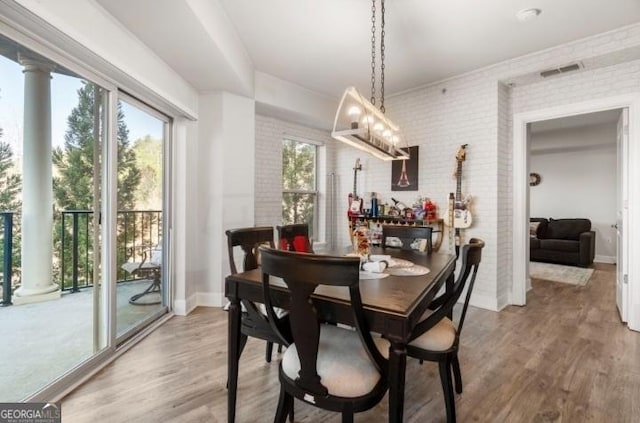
column 382, row 57
column 373, row 52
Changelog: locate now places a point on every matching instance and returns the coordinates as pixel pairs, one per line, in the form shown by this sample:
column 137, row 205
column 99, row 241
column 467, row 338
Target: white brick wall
column 477, row 109
column 268, row 159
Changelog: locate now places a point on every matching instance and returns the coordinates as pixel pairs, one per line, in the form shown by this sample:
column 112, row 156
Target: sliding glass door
column 83, row 220
column 141, row 215
column 51, row 159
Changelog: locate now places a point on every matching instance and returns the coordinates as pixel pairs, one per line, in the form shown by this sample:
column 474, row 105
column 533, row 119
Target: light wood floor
column 565, row 357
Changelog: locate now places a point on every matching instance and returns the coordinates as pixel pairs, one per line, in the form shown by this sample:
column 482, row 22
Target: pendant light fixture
column 358, row 121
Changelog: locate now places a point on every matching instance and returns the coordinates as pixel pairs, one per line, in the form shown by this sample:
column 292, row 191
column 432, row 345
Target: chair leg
column 447, row 388
column 285, row 404
column 457, row 376
column 243, row 343
column 268, row 351
column 347, row 417
column 279, row 348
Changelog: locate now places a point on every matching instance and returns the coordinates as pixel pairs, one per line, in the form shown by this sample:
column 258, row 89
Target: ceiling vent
column 564, row 69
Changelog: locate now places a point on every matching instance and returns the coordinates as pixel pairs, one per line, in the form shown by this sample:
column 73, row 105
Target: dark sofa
column 562, row 241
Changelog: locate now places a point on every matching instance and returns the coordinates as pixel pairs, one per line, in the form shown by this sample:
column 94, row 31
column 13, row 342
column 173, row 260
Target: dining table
column 393, row 305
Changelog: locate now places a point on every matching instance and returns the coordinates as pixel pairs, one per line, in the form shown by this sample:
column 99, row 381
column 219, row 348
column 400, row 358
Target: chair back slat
column 248, row 239
column 303, row 273
column 294, row 237
column 407, row 235
column 471, row 256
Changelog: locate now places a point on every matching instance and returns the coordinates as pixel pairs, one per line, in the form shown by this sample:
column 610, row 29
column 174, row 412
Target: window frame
column 315, row 192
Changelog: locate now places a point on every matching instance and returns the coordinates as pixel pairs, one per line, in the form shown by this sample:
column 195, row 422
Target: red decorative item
column 300, row 244
column 430, row 211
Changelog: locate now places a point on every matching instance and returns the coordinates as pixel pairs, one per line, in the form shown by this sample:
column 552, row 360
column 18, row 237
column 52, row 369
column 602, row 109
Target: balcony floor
column 39, row 342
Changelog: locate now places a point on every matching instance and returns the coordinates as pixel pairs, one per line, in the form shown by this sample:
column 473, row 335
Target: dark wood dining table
column 393, row 306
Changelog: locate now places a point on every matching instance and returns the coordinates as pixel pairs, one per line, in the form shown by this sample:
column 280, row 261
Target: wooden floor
column 565, row 357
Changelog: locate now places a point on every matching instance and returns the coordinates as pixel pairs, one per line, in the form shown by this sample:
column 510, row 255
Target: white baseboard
column 199, row 299
column 209, row 299
column 486, row 302
column 605, row 259
column 184, row 307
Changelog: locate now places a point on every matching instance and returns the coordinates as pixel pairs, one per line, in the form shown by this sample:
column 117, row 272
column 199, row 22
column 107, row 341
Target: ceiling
column 325, row 45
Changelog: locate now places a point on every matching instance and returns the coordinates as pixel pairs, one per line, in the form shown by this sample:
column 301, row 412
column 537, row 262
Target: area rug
column 560, row 273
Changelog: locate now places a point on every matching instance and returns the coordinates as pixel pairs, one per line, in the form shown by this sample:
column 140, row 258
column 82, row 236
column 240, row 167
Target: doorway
column 574, row 167
column 521, row 200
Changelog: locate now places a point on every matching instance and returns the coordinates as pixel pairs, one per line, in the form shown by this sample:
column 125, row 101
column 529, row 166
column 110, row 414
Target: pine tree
column 75, row 170
column 10, row 186
column 73, row 183
column 10, row 182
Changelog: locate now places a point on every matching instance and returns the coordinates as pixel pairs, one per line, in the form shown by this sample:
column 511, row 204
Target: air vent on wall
column 563, row 69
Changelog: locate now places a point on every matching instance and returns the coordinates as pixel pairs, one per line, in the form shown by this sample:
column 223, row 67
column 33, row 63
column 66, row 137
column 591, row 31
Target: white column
column 37, row 187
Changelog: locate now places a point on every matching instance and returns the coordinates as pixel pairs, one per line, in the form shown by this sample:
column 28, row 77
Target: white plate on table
column 399, row 263
column 371, row 275
column 414, row 270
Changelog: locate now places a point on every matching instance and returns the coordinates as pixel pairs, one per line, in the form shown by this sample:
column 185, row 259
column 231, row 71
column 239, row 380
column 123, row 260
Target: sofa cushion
column 534, row 243
column 542, row 226
column 566, row 245
column 567, row 228
column 533, row 229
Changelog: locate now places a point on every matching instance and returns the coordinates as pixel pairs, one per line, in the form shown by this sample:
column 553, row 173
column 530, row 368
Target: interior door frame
column 622, row 215
column 520, row 193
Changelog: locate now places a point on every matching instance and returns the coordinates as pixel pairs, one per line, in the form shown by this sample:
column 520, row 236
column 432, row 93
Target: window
column 299, row 189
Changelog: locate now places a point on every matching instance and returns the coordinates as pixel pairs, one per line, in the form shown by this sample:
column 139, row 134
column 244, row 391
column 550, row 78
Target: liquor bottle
column 374, row 205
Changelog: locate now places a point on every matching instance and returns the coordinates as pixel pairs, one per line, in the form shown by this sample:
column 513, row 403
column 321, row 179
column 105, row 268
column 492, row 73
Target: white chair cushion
column 156, row 254
column 439, row 338
column 343, row 364
column 280, row 312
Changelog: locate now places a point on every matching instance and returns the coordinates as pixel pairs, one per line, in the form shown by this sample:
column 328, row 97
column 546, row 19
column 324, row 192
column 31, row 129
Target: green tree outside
column 10, row 186
column 74, row 173
column 298, row 182
column 148, row 152
column 10, row 181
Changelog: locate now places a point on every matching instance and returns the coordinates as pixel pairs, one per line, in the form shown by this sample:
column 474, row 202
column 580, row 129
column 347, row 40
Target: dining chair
column 327, row 366
column 254, row 321
column 294, row 237
column 437, row 338
column 409, row 236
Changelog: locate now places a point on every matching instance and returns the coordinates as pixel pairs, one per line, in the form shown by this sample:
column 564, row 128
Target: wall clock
column 534, row 179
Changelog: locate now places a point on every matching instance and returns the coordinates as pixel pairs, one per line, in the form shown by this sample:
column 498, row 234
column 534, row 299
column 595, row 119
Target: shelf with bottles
column 375, row 226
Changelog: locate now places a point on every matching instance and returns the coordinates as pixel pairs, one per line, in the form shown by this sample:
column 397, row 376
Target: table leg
column 233, row 350
column 397, row 368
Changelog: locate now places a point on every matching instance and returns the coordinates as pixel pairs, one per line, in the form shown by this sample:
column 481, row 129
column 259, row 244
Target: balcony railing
column 7, row 256
column 74, row 249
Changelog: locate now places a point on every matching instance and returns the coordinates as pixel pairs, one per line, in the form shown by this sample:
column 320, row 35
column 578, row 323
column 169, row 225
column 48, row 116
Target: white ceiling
column 325, row 45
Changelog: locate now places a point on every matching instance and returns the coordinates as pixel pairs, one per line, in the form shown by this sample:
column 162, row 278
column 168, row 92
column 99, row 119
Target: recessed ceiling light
column 528, row 14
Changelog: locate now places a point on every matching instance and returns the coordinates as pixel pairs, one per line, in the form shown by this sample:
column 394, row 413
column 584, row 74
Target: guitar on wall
column 355, row 202
column 462, row 218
